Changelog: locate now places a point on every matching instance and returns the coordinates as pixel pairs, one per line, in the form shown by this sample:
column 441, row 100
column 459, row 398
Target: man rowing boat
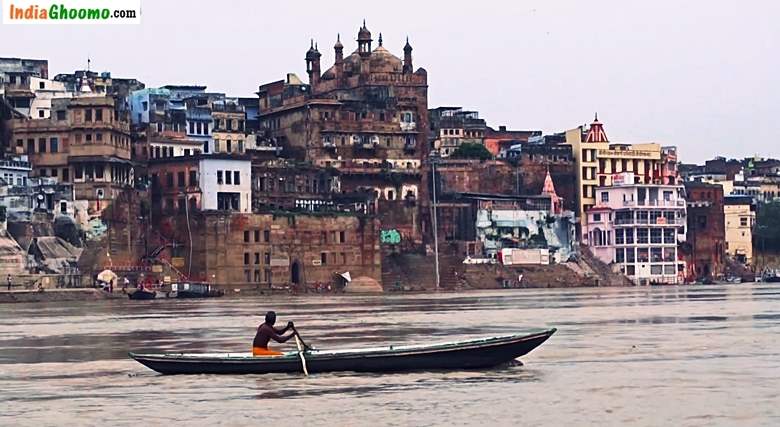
column 267, row 332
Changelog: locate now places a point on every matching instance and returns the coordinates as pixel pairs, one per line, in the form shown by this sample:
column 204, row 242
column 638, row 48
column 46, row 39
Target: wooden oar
column 300, row 353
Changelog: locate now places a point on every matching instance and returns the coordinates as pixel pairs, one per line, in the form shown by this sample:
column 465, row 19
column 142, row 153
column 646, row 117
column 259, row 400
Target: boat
column 194, row 290
column 474, row 354
column 771, row 276
column 142, row 294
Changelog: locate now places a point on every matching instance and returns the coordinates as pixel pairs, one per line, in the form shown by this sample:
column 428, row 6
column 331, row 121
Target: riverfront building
column 598, row 160
column 637, row 227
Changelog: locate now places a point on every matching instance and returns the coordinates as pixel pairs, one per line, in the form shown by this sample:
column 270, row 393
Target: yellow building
column 740, row 218
column 598, row 161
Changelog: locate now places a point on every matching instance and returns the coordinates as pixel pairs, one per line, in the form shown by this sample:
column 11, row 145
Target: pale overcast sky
column 702, row 75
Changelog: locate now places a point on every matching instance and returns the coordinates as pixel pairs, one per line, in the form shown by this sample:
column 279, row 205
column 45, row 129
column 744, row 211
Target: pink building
column 637, row 227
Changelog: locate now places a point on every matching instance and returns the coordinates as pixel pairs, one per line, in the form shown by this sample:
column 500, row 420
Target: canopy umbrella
column 106, row 276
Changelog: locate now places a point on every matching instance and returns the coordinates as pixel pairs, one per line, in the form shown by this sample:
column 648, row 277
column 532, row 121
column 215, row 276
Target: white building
column 637, row 228
column 226, row 183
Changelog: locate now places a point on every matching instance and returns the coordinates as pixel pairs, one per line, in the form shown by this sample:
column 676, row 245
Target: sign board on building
column 177, row 261
column 157, row 268
column 166, row 279
column 279, row 261
column 391, row 237
column 316, row 262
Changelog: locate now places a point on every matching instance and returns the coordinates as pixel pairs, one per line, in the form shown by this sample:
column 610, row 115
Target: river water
column 698, row 355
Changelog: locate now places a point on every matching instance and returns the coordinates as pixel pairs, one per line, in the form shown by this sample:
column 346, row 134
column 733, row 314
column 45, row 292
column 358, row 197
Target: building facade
column 740, row 217
column 366, row 116
column 637, row 228
column 706, row 241
column 598, row 160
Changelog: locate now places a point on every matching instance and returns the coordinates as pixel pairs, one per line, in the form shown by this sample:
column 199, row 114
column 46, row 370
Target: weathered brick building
column 535, row 160
column 264, row 250
column 86, row 141
column 706, row 239
column 367, row 117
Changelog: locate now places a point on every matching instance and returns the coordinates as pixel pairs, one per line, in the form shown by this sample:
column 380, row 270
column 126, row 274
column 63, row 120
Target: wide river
column 698, row 355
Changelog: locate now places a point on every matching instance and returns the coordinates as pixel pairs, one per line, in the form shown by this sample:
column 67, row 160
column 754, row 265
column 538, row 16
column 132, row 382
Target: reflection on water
column 638, row 356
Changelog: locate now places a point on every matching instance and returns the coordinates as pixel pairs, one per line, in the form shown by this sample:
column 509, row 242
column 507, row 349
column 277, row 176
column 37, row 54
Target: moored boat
column 474, row 354
column 142, row 294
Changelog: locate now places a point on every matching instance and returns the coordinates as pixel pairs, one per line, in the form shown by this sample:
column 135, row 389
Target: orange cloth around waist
column 259, row 351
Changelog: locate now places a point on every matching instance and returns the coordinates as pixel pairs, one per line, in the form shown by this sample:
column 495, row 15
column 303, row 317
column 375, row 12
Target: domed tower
column 408, row 68
column 313, row 65
column 338, row 68
column 364, row 41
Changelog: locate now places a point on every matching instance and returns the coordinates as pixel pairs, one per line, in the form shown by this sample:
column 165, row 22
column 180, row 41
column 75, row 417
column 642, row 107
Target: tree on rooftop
column 472, row 151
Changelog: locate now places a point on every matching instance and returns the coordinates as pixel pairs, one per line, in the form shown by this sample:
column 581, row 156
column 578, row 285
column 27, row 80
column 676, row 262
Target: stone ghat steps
column 417, row 271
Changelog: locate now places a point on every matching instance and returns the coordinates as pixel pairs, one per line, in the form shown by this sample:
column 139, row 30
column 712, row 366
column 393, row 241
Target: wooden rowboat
column 474, row 354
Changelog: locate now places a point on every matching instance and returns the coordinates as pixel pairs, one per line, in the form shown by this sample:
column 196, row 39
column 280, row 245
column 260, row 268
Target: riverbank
column 56, row 295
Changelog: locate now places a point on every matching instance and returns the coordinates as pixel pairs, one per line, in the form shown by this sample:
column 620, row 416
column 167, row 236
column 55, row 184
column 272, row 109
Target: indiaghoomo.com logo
column 71, row 11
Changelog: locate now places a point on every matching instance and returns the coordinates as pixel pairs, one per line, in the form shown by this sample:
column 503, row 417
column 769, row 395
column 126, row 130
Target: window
column 41, row 114
column 99, row 115
column 41, row 145
column 596, row 217
column 656, row 254
column 236, row 178
column 324, row 258
column 193, row 178
column 229, row 146
column 192, row 127
column 656, row 270
column 641, row 235
column 200, row 128
column 743, row 222
column 669, row 237
column 604, row 196
column 219, row 177
column 267, row 258
column 342, row 236
column 630, row 270
column 630, row 255
column 41, row 85
column 267, row 275
column 246, row 236
column 669, row 255
column 30, row 146
column 655, row 235
column 257, row 258
column 88, row 115
column 343, row 258
column 619, row 239
column 266, row 236
column 98, row 136
column 88, row 137
column 180, row 178
column 54, row 145
column 99, row 172
column 668, row 196
column 79, row 172
column 65, row 175
column 246, row 258
column 620, row 255
column 169, row 179
column 228, row 177
column 669, row 270
column 642, row 254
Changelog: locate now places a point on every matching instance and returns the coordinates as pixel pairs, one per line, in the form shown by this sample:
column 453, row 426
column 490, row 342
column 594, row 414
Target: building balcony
column 655, row 203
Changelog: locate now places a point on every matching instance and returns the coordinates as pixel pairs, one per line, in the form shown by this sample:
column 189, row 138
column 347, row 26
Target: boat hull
column 456, row 356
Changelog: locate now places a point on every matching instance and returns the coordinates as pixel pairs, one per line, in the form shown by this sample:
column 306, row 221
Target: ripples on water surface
column 648, row 356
